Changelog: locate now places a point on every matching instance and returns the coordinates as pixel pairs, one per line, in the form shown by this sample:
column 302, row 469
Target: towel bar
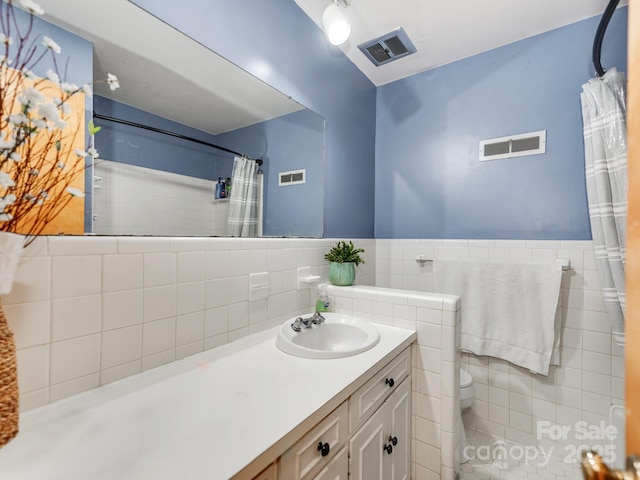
column 565, row 263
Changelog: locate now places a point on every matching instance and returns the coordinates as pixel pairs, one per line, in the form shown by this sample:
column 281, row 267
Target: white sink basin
column 338, row 336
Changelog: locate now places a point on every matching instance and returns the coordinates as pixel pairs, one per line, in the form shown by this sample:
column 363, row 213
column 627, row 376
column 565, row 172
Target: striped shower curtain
column 605, row 145
column 242, row 219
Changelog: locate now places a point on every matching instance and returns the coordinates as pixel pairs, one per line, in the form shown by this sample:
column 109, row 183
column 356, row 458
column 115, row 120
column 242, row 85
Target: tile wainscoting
column 436, row 362
column 510, row 401
column 87, row 311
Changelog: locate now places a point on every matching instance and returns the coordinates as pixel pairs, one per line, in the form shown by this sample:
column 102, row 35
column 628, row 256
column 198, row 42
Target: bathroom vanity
column 244, row 410
column 373, row 427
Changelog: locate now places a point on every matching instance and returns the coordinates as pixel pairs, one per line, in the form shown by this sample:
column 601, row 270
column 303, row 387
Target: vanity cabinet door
column 399, row 409
column 336, row 469
column 365, row 448
column 381, row 448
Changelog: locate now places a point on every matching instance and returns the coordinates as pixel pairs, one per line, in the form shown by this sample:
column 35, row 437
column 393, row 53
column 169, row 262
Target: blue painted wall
column 76, row 66
column 275, row 41
column 135, row 146
column 290, row 142
column 429, row 182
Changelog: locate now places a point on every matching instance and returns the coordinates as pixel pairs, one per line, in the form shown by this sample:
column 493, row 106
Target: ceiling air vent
column 387, row 48
column 532, row 143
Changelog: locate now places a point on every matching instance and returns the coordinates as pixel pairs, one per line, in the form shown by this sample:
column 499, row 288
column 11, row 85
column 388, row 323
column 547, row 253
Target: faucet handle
column 317, row 318
column 297, row 324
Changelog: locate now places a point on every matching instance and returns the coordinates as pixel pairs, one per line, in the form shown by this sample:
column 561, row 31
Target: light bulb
column 335, row 25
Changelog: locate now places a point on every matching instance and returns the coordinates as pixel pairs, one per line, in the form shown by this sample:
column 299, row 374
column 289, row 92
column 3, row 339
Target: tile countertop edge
column 276, row 425
column 280, row 447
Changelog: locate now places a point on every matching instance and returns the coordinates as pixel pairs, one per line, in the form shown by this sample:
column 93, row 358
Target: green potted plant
column 344, row 257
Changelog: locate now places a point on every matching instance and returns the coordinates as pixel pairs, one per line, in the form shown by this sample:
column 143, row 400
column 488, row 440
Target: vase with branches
column 43, row 156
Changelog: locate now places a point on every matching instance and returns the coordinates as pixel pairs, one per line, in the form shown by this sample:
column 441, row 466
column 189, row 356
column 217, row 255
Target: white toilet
column 466, row 400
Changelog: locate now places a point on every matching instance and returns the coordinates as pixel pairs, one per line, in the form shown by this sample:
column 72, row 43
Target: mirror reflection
column 151, row 183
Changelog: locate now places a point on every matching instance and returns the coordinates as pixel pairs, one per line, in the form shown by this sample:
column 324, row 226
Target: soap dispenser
column 322, row 305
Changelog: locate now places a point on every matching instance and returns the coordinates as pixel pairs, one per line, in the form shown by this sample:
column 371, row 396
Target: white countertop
column 210, row 416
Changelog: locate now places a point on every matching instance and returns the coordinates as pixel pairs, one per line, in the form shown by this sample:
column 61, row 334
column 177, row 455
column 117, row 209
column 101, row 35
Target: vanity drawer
column 305, row 459
column 372, row 394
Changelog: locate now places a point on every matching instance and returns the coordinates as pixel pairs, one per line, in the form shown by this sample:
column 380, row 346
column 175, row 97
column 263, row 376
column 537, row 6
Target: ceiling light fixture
column 335, row 24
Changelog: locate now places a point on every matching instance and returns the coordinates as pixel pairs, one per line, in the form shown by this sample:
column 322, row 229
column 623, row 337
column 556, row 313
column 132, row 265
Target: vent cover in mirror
column 387, row 48
column 514, row 146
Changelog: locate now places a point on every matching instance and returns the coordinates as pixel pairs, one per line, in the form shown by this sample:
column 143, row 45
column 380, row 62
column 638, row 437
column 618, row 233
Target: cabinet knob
column 388, row 449
column 324, row 449
column 389, row 381
column 393, row 440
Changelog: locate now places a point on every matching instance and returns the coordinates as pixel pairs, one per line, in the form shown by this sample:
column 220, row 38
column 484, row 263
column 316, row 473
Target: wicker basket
column 9, row 399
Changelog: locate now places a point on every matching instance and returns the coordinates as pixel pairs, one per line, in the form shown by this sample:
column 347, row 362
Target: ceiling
column 148, row 56
column 444, row 32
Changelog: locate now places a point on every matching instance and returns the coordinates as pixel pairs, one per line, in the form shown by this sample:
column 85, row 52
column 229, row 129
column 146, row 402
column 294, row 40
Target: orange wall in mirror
column 60, row 163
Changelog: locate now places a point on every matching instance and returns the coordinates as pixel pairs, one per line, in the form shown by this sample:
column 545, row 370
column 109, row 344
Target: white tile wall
column 90, row 310
column 436, row 361
column 130, row 200
column 509, row 400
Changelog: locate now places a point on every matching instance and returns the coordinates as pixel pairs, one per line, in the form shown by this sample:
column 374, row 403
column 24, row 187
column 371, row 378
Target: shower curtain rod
column 172, row 134
column 597, row 42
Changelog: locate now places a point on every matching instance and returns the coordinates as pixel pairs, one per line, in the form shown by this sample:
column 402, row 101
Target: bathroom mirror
column 169, row 80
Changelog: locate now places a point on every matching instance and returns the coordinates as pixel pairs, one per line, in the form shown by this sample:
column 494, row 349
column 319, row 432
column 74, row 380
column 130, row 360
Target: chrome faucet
column 299, row 323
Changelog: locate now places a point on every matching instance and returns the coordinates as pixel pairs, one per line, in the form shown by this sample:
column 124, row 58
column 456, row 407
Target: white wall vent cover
column 294, row 177
column 387, row 48
column 533, row 143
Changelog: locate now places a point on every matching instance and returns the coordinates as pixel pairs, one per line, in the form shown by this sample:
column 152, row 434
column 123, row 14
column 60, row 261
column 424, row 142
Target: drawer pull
column 324, row 449
column 388, row 449
column 390, row 382
column 393, row 440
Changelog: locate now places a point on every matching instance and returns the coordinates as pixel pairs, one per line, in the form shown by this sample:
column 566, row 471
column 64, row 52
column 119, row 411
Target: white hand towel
column 508, row 309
